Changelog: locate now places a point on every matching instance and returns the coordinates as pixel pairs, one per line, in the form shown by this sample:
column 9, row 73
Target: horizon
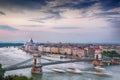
column 100, row 43
column 66, row 21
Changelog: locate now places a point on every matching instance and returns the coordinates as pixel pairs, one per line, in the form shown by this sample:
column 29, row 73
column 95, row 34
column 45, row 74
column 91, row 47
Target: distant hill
column 11, row 44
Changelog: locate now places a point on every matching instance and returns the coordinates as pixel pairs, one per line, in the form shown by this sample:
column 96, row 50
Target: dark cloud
column 56, row 14
column 45, row 18
column 24, row 4
column 36, row 20
column 60, row 4
column 42, row 20
column 61, row 28
column 112, row 17
column 2, row 13
column 108, row 13
column 9, row 28
column 109, row 4
column 77, row 4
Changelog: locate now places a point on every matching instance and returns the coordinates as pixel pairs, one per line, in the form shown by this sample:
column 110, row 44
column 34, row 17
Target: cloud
column 38, row 4
column 2, row 13
column 61, row 28
column 109, row 4
column 112, row 17
column 32, row 25
column 62, row 16
column 45, row 18
column 54, row 12
column 29, row 4
column 75, row 4
column 53, row 4
column 42, row 20
column 108, row 13
column 9, row 28
column 36, row 20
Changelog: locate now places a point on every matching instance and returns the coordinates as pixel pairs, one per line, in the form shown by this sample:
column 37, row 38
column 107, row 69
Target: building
column 78, row 52
column 30, row 45
column 41, row 48
column 98, row 54
column 86, row 52
column 55, row 50
column 68, row 50
column 47, row 49
column 61, row 50
column 91, row 52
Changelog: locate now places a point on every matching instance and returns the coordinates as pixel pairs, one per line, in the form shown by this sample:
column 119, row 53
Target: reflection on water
column 69, row 76
column 10, row 56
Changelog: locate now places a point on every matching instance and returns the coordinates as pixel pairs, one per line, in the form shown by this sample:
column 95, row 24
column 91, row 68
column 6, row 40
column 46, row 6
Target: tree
column 110, row 54
column 2, row 71
column 16, row 77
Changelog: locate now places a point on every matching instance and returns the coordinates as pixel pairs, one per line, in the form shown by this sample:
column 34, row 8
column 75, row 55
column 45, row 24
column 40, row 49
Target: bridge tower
column 97, row 57
column 37, row 67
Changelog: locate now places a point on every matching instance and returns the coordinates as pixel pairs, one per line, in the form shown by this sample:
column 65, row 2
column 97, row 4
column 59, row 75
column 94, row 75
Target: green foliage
column 2, row 71
column 12, row 77
column 16, row 77
column 110, row 54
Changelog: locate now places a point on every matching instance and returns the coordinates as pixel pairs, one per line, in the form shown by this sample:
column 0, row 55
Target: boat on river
column 102, row 73
column 58, row 70
column 99, row 68
column 73, row 70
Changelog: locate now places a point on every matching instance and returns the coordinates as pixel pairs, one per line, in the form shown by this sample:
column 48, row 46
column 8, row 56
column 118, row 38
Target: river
column 11, row 55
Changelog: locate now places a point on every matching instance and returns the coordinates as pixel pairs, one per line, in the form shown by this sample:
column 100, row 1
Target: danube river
column 11, row 55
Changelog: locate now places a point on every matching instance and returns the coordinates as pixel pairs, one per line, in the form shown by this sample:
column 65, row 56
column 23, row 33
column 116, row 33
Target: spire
column 31, row 41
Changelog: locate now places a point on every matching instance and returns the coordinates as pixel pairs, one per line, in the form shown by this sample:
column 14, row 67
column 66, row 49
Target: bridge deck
column 50, row 63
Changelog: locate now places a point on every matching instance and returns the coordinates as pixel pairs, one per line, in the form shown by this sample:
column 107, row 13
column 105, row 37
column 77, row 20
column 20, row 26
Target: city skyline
column 73, row 21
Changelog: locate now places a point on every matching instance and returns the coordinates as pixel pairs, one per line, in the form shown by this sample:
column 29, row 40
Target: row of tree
column 111, row 54
column 16, row 77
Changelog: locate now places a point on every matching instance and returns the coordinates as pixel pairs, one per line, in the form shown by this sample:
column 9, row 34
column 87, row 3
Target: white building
column 68, row 50
column 47, row 49
column 30, row 45
column 55, row 49
column 78, row 52
column 98, row 53
column 40, row 48
column 61, row 50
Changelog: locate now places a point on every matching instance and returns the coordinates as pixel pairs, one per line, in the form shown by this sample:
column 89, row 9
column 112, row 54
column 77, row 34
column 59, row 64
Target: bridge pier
column 37, row 67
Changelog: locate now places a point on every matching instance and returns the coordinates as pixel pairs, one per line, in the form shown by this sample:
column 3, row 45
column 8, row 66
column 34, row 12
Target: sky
column 68, row 21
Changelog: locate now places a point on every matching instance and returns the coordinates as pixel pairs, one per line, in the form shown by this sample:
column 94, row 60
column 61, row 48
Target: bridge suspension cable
column 47, row 59
column 69, row 61
column 45, row 64
column 18, row 64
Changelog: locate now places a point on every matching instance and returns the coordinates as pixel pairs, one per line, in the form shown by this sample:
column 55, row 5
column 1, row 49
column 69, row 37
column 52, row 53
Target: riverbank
column 54, row 55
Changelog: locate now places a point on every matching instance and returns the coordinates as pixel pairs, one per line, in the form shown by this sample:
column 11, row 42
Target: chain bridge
column 37, row 63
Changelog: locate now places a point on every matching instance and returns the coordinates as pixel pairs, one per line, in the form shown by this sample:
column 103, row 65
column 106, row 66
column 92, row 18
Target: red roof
column 97, row 49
